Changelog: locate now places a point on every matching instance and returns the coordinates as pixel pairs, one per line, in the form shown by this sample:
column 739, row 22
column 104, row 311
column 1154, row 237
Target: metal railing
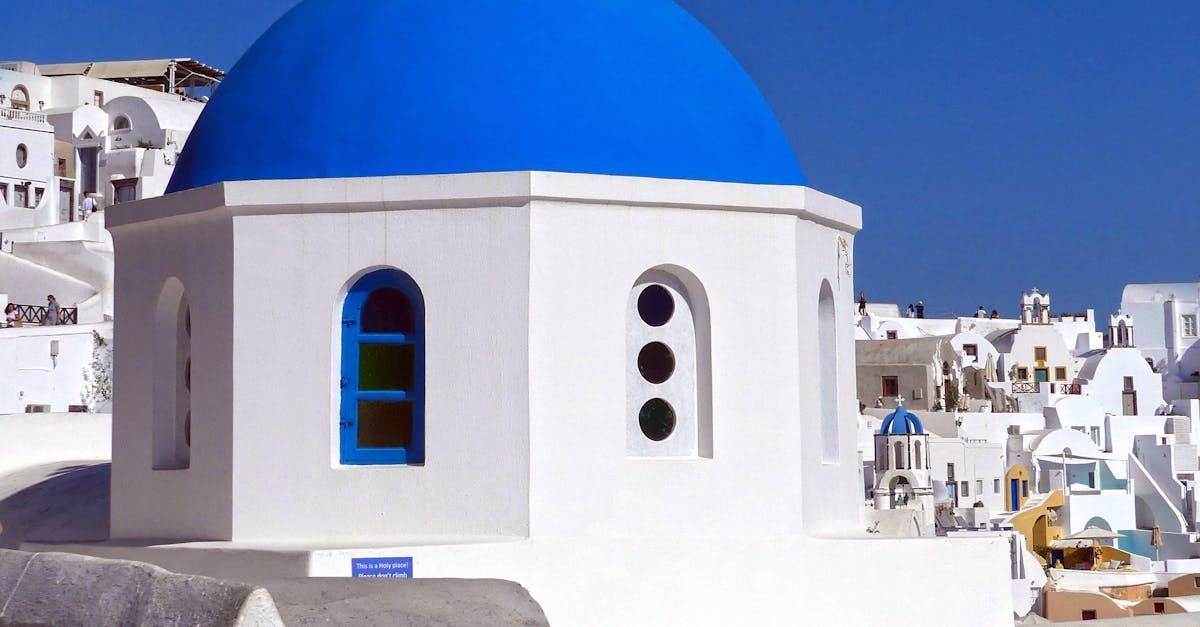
column 25, row 116
column 36, row 314
column 1066, row 388
column 1026, row 387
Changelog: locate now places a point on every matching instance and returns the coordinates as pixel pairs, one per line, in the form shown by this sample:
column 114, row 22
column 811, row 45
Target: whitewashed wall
column 30, row 375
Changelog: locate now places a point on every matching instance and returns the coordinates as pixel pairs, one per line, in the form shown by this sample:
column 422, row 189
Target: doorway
column 88, row 168
column 1129, row 403
column 66, row 201
column 1041, row 531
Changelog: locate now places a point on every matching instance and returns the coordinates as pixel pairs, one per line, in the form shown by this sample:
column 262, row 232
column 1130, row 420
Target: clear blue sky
column 992, row 146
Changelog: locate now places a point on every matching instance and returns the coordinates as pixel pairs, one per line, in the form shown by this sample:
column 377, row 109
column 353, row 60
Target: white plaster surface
column 682, row 581
column 32, row 439
column 33, row 375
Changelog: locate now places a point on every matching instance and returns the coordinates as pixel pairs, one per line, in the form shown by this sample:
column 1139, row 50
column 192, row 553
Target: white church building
column 555, row 305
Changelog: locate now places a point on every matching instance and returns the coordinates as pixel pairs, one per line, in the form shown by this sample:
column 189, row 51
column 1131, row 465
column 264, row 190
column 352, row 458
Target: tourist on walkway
column 920, row 309
column 912, row 313
column 11, row 315
column 995, row 314
column 88, row 206
column 51, row 311
column 862, row 303
column 981, row 312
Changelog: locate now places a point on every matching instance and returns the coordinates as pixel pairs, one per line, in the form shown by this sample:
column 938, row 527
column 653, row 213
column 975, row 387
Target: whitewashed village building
column 106, row 132
column 1090, row 439
column 557, row 306
column 1168, row 334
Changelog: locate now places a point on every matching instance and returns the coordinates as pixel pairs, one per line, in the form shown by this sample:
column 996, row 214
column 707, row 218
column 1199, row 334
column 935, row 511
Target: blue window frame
column 383, row 371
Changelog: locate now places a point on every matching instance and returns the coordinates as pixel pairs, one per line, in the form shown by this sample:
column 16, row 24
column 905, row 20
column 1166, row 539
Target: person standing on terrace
column 51, row 311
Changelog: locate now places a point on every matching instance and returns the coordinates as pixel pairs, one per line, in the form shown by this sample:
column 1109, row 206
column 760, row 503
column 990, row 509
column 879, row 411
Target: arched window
column 20, row 98
column 828, row 384
column 898, row 455
column 917, row 456
column 172, row 429
column 382, row 417
column 668, row 372
column 122, row 123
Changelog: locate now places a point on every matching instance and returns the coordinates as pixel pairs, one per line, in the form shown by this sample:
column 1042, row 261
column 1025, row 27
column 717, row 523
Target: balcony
column 1026, row 387
column 36, row 314
column 22, row 116
column 1066, row 388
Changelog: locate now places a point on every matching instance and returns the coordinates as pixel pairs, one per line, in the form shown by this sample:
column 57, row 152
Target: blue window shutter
column 354, row 337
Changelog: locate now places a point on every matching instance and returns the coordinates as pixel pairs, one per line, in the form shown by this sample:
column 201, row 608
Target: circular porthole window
column 656, row 362
column 22, row 155
column 657, row 419
column 655, row 305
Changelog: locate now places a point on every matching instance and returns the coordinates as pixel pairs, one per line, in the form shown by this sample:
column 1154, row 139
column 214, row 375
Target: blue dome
column 901, row 422
column 350, row 88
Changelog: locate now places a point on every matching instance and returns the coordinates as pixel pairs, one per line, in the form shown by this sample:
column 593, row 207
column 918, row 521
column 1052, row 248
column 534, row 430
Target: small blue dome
column 352, row 88
column 901, row 422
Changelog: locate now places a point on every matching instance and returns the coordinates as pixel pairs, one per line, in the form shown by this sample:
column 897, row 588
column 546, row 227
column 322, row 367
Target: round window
column 22, row 155
column 656, row 362
column 657, row 419
column 655, row 305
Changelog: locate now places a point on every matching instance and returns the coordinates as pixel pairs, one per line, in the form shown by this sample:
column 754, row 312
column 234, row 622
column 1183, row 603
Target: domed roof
column 901, row 422
column 350, row 88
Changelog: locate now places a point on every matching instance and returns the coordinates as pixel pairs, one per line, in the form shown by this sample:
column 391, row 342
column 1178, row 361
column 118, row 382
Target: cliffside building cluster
column 1068, row 431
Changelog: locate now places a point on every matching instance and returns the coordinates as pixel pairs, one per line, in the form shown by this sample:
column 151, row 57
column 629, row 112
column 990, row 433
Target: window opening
column 383, row 366
column 657, row 419
column 890, row 386
column 667, row 370
column 656, row 362
column 656, row 305
column 20, row 98
column 124, row 190
column 827, row 331
column 172, row 425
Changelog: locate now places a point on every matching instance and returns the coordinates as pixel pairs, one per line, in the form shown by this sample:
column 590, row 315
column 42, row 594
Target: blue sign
column 382, row 567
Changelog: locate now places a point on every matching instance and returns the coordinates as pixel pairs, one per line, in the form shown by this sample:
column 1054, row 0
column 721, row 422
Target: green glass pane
column 385, row 424
column 385, row 366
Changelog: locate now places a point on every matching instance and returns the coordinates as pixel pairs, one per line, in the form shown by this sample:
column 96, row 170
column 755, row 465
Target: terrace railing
column 36, row 314
column 1066, row 388
column 1026, row 387
column 24, row 116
